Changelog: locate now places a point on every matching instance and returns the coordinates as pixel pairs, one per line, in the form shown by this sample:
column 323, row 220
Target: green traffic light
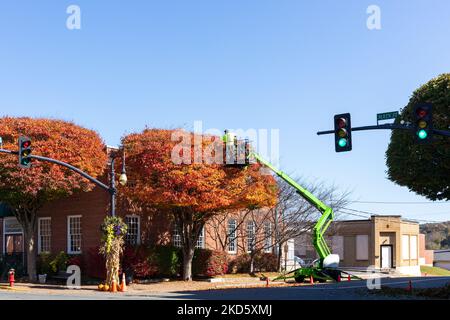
column 422, row 134
column 342, row 142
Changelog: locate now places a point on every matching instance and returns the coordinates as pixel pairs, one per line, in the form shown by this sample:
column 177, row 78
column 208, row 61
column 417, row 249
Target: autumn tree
column 26, row 191
column 181, row 173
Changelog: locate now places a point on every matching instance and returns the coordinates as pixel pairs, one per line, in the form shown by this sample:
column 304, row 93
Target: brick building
column 73, row 225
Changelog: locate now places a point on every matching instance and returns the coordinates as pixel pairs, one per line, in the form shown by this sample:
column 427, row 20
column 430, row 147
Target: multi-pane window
column 250, row 236
column 232, row 244
column 176, row 236
column 267, row 236
column 201, row 239
column 74, row 234
column 44, row 235
column 133, row 232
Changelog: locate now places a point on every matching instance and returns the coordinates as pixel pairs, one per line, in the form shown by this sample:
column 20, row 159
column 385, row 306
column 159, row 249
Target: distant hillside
column 437, row 235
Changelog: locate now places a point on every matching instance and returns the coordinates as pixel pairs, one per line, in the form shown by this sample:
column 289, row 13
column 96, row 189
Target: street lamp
column 123, row 176
column 122, row 180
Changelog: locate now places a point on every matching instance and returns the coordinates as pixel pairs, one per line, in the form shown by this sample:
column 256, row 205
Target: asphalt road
column 355, row 290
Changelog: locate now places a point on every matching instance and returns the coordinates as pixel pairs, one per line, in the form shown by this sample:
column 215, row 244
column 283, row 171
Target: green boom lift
column 326, row 267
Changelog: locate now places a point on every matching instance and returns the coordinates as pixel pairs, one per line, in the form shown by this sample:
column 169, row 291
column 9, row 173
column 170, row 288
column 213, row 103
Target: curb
column 3, row 287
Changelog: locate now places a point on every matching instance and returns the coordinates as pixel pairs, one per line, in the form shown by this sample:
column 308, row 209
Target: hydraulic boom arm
column 327, row 213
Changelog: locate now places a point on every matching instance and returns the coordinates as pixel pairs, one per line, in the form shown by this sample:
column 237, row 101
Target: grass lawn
column 433, row 271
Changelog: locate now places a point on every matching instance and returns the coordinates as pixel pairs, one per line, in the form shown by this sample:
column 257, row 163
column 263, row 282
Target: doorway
column 386, row 256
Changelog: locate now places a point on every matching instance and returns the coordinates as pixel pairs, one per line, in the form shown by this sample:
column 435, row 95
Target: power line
column 396, row 202
column 377, row 214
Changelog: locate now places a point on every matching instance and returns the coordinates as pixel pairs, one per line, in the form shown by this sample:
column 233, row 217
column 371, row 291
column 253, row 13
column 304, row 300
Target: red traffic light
column 26, row 144
column 341, row 122
column 421, row 112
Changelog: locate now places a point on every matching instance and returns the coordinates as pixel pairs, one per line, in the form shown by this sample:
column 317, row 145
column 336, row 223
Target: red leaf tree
column 192, row 191
column 27, row 190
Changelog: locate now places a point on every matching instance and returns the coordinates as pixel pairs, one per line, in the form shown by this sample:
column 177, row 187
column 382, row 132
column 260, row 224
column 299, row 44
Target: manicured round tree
column 25, row 191
column 424, row 169
column 193, row 190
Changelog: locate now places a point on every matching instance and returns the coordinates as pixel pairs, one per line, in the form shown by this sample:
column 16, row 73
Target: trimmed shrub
column 59, row 263
column 209, row 263
column 139, row 260
column 266, row 262
column 241, row 264
column 95, row 264
column 168, row 260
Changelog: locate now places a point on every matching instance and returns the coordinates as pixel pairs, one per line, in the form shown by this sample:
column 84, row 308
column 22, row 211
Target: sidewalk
column 145, row 289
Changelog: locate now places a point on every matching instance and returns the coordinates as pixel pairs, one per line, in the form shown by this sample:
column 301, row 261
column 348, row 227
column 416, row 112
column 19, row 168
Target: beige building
column 386, row 242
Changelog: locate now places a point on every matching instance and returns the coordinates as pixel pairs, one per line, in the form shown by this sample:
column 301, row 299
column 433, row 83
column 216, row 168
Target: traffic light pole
column 388, row 126
column 111, row 189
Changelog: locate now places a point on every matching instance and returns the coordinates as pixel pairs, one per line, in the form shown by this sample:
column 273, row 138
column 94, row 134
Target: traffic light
column 423, row 122
column 343, row 132
column 24, row 152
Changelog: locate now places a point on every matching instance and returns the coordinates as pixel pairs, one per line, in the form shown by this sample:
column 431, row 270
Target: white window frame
column 413, row 247
column 39, row 235
column 251, row 241
column 176, row 236
column 405, row 247
column 267, row 237
column 201, row 239
column 232, row 243
column 69, row 250
column 11, row 233
column 138, row 235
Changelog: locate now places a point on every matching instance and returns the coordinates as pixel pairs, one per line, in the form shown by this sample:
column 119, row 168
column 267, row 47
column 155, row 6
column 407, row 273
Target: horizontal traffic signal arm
column 66, row 165
column 387, row 126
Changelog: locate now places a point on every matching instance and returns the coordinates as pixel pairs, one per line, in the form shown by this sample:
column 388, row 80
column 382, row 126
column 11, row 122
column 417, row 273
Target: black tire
column 300, row 279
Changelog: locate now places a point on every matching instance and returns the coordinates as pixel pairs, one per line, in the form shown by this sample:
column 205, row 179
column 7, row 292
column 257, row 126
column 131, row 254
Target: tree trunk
column 280, row 246
column 252, row 264
column 31, row 251
column 188, row 255
column 27, row 218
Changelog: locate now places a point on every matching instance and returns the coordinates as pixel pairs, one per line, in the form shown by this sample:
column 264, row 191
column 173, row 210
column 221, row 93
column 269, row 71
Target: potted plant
column 43, row 267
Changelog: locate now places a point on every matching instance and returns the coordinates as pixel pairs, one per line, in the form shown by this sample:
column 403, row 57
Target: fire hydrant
column 11, row 277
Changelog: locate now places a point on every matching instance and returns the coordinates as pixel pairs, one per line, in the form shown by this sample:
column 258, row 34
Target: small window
column 413, row 247
column 362, row 247
column 44, row 235
column 250, row 236
column 232, row 244
column 405, row 247
column 267, row 237
column 133, row 232
column 176, row 236
column 74, row 234
column 201, row 240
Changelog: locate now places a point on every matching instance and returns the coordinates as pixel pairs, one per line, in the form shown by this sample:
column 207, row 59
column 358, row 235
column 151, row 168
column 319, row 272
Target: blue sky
column 287, row 65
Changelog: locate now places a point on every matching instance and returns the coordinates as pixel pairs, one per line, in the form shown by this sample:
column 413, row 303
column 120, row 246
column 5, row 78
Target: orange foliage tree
column 25, row 191
column 192, row 191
